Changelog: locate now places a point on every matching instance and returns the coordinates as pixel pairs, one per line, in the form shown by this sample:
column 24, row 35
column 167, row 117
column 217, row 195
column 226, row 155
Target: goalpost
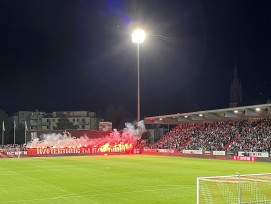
column 236, row 189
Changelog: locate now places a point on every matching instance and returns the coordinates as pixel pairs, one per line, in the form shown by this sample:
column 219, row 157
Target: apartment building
column 36, row 120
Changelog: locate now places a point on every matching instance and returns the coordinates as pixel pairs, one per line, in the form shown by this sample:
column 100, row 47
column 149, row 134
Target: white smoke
column 130, row 134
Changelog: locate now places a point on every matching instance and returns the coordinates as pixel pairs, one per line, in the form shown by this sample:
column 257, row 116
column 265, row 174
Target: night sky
column 59, row 55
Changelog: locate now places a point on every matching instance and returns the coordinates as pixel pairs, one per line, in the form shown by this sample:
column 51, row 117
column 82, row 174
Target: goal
column 236, row 189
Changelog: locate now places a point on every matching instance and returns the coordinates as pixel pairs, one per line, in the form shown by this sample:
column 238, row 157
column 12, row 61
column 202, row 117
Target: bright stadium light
column 138, row 37
column 236, row 111
column 257, row 109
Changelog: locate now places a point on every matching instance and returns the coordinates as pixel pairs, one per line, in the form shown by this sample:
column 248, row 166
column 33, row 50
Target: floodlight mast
column 138, row 37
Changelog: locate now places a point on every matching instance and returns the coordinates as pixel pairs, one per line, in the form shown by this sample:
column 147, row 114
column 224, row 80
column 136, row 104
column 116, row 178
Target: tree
column 123, row 116
column 19, row 134
column 3, row 117
column 9, row 136
column 110, row 114
column 63, row 124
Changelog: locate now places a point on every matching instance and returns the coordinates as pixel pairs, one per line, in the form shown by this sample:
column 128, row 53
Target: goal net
column 236, row 189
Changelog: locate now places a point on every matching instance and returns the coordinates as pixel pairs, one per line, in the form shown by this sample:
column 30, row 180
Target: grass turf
column 111, row 179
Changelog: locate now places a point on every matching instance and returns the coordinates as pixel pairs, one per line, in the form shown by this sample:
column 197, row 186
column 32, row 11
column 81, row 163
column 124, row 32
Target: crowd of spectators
column 255, row 136
column 176, row 137
column 238, row 135
column 214, row 136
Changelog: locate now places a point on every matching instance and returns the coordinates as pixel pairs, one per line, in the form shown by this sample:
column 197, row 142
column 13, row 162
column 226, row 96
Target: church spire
column 235, row 90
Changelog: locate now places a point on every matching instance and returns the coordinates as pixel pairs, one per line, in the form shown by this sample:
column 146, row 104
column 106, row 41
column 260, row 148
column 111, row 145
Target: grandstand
column 232, row 131
column 236, row 113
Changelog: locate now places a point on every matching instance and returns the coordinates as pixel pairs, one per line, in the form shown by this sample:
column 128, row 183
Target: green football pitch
column 111, row 179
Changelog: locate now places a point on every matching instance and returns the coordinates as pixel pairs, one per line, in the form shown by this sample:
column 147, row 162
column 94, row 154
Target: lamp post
column 138, row 37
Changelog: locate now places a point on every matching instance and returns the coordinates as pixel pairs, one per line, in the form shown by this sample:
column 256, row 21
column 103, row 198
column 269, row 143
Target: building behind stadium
column 42, row 122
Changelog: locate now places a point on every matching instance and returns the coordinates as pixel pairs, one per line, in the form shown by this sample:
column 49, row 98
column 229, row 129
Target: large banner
column 58, row 151
column 80, row 150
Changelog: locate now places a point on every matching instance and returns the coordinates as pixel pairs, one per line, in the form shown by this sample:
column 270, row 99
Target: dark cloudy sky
column 77, row 55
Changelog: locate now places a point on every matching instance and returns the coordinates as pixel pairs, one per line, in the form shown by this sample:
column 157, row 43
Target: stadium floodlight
column 248, row 188
column 138, row 37
column 236, row 111
column 257, row 109
column 200, row 115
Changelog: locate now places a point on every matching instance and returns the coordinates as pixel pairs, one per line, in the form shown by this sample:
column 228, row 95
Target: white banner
column 166, row 150
column 16, row 152
column 221, row 153
column 207, row 152
column 254, row 154
column 185, row 151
